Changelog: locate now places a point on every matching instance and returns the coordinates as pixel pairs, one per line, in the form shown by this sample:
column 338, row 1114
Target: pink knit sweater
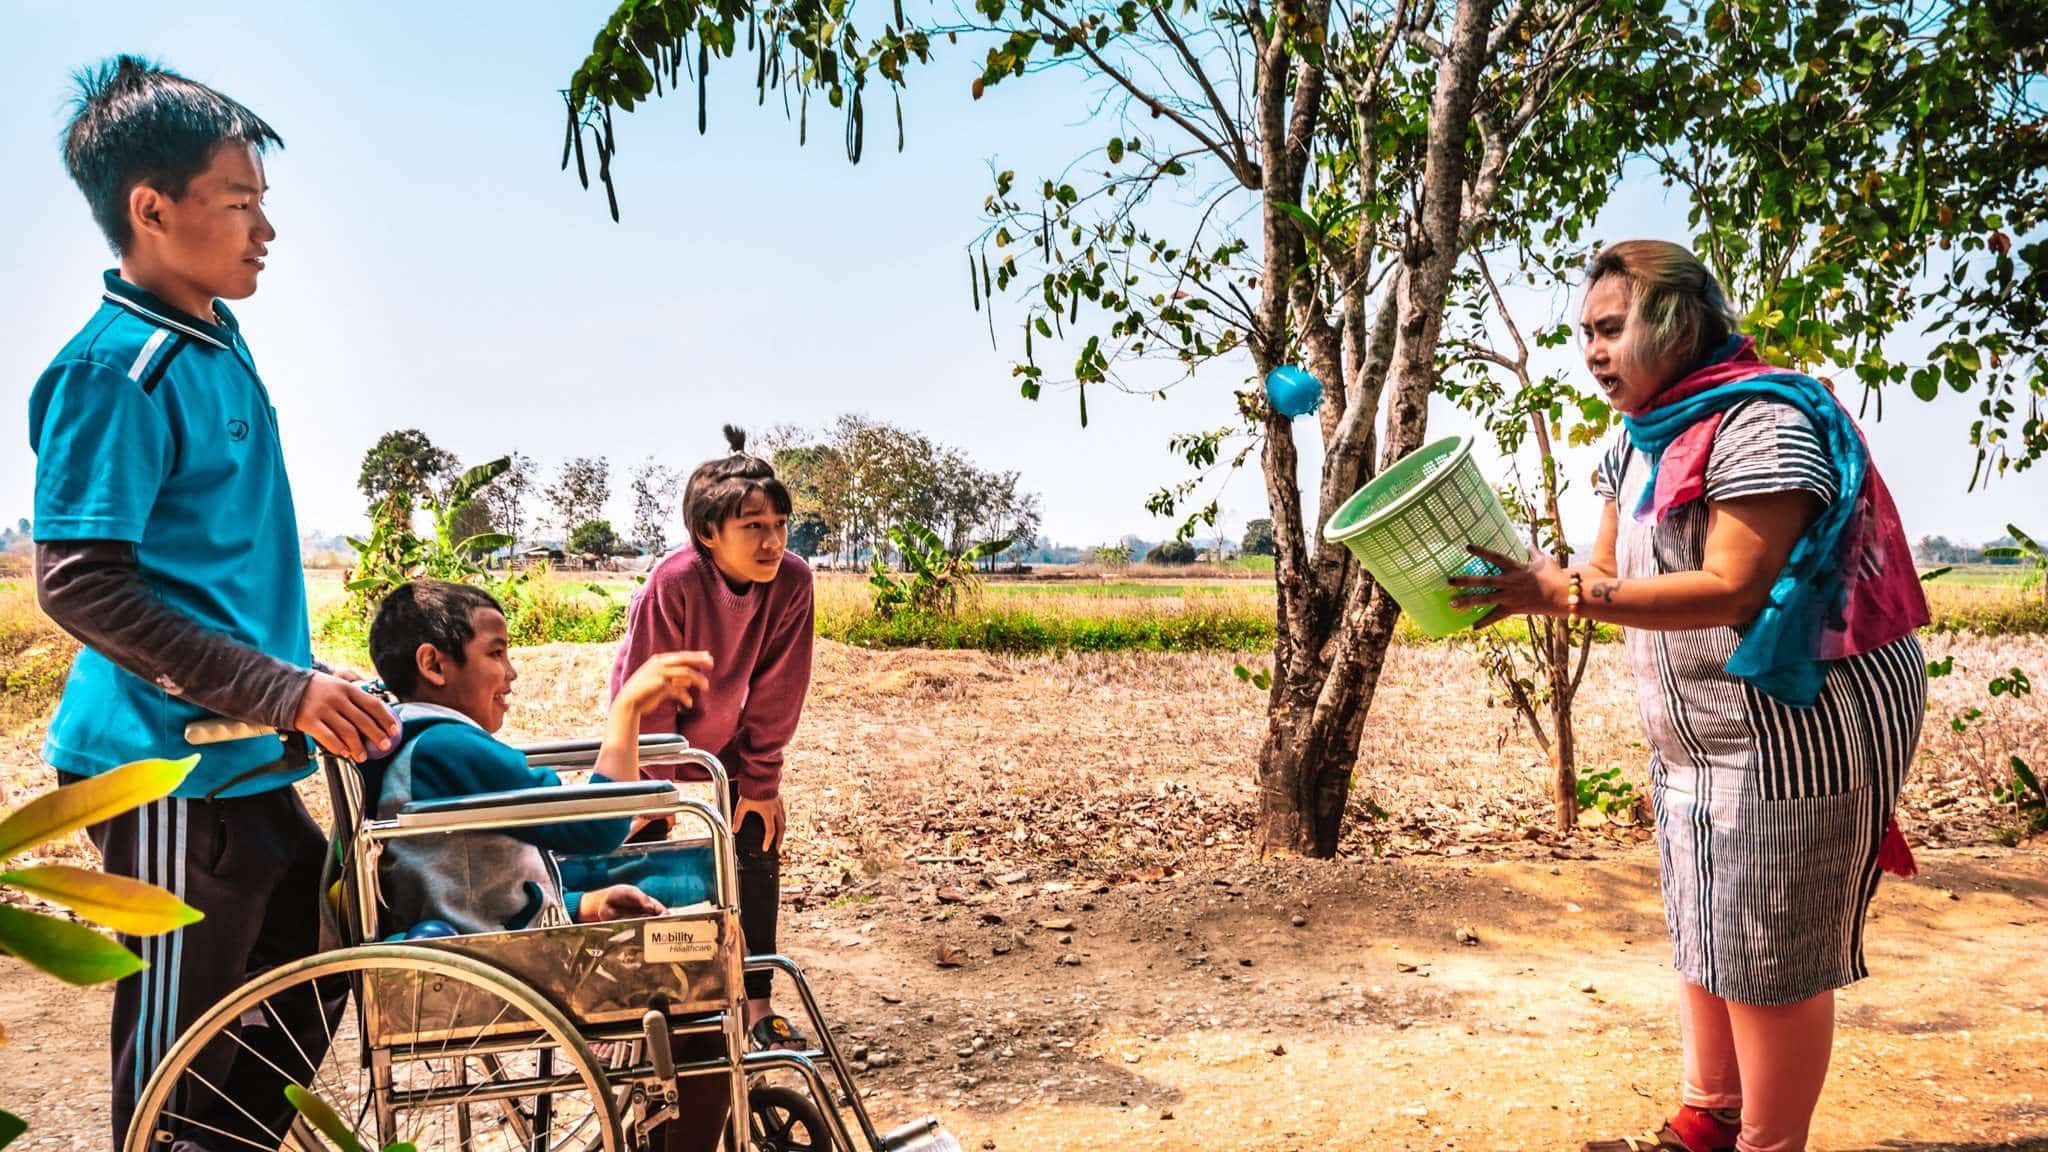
column 760, row 642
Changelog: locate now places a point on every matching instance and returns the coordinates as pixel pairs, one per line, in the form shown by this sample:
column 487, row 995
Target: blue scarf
column 1780, row 650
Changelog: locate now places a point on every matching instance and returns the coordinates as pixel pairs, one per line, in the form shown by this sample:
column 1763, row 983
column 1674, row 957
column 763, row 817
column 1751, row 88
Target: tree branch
column 1507, row 28
column 1585, row 650
column 1223, row 115
column 1151, row 101
column 1503, row 670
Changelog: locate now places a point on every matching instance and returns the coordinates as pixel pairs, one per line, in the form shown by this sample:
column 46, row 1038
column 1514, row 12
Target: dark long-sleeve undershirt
column 95, row 590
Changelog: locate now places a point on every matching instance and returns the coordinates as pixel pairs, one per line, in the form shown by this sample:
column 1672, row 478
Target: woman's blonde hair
column 1673, row 300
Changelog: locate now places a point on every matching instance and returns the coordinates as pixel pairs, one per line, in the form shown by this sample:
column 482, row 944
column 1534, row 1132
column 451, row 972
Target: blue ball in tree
column 1292, row 391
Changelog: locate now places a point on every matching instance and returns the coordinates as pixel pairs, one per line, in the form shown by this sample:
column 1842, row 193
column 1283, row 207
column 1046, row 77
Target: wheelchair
column 558, row 1036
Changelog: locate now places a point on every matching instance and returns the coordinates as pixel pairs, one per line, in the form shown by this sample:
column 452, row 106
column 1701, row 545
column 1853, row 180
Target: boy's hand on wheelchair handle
column 669, row 678
column 344, row 719
column 618, row 902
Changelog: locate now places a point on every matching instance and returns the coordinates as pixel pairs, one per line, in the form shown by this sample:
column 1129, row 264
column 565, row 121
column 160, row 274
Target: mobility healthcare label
column 686, row 942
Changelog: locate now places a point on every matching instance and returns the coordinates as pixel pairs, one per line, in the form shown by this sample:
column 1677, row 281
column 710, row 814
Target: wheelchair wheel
column 466, row 1058
column 781, row 1119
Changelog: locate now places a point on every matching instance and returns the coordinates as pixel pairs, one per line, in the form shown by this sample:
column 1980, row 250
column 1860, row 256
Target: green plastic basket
column 1410, row 526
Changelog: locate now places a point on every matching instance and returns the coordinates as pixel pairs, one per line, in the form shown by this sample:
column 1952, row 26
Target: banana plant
column 69, row 951
column 393, row 553
column 2026, row 549
column 461, row 495
column 938, row 575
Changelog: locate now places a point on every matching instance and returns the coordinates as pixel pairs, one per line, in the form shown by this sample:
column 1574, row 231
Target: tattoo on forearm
column 1603, row 590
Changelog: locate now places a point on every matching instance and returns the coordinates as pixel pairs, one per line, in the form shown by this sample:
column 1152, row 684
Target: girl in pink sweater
column 735, row 591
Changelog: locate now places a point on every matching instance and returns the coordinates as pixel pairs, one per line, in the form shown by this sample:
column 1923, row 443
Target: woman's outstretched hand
column 1537, row 587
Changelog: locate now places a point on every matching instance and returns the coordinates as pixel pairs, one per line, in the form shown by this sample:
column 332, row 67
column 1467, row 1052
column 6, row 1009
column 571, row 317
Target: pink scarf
column 1883, row 599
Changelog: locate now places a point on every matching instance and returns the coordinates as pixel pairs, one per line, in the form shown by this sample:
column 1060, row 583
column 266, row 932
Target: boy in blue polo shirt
column 167, row 544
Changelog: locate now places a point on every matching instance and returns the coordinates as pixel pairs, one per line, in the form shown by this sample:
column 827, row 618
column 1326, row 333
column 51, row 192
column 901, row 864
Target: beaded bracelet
column 1571, row 599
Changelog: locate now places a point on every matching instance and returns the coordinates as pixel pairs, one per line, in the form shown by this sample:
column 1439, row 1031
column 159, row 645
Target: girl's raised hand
column 670, row 677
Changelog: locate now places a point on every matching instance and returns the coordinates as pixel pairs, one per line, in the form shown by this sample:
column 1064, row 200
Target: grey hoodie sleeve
column 95, row 591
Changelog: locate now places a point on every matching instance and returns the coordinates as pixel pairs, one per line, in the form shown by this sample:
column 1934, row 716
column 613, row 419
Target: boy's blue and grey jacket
column 476, row 881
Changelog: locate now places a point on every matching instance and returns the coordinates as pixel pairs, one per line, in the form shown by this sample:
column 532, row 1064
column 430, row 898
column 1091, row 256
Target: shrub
column 35, row 657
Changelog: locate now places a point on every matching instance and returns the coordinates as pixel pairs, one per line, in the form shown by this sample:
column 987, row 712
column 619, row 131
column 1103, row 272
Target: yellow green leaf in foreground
column 317, row 1112
column 89, row 801
column 71, row 952
column 117, row 902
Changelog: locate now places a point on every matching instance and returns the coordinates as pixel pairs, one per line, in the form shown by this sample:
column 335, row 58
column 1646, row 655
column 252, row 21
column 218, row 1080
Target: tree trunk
column 1564, row 760
column 1306, row 768
column 1334, row 623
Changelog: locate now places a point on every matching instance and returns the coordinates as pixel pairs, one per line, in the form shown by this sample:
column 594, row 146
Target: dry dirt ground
column 1070, row 836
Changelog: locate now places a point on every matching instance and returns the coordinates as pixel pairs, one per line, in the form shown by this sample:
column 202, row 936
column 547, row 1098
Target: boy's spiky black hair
column 423, row 612
column 135, row 122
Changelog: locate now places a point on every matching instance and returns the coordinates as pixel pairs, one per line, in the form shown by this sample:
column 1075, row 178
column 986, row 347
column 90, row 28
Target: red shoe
column 1702, row 1133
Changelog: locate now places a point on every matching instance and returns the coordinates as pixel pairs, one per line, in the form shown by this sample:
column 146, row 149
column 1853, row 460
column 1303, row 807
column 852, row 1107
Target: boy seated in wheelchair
column 442, row 650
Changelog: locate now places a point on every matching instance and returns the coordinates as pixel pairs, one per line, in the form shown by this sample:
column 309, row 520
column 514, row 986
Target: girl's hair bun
column 737, row 437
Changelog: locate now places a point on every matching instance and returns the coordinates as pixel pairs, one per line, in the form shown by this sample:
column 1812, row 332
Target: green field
column 1120, row 612
column 1990, row 575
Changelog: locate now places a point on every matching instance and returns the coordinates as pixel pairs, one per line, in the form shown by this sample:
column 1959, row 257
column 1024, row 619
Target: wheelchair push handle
column 222, row 730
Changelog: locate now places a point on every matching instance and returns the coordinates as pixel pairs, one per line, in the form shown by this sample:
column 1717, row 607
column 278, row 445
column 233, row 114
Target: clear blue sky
column 435, row 270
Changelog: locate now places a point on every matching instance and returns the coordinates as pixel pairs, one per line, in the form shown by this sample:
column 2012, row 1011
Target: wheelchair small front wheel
column 401, row 1043
column 783, row 1119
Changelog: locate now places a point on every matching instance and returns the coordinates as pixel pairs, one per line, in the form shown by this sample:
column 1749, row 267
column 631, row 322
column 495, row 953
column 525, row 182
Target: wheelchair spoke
column 204, row 1126
column 461, row 1074
column 313, row 1071
column 277, row 1021
column 275, row 1138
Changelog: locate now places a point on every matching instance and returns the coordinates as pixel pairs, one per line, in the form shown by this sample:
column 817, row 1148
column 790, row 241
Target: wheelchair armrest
column 583, row 753
column 564, row 803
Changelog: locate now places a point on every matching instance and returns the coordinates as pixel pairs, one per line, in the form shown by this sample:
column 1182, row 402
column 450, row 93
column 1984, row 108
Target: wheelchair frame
column 697, row 989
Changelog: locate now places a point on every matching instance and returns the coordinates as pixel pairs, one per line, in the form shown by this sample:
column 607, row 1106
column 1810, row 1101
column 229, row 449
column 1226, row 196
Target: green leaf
column 11, row 1126
column 1936, row 573
column 475, row 480
column 1301, row 218
column 485, row 542
column 115, row 902
column 90, row 801
column 71, row 952
column 321, row 1116
column 1942, row 667
column 2025, row 775
column 2004, row 552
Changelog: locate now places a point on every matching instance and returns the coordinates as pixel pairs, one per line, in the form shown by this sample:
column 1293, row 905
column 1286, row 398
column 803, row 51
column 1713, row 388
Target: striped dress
column 1769, row 817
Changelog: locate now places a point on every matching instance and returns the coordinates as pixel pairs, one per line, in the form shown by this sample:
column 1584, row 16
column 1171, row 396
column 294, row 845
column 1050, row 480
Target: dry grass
column 2002, row 608
column 35, row 655
column 1120, row 760
column 917, row 752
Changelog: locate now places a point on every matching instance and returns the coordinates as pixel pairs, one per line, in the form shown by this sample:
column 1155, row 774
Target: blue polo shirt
column 152, row 427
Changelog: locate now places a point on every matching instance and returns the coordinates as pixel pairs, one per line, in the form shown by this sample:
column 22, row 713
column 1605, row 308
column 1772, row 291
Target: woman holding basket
column 1759, row 567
